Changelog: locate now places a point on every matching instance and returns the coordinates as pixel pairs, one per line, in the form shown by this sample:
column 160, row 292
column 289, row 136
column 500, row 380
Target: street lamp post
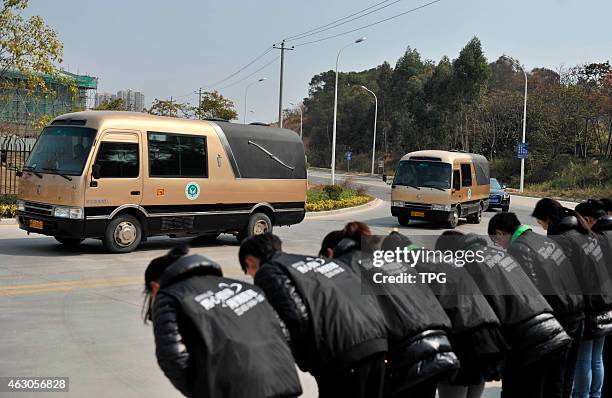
column 515, row 63
column 301, row 117
column 375, row 116
column 246, row 90
column 333, row 159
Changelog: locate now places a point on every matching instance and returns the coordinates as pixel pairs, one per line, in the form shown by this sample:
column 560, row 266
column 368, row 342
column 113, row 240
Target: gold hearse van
column 440, row 186
column 123, row 176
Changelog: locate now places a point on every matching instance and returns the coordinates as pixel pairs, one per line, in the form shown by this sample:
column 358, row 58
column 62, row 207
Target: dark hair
column 153, row 273
column 591, row 208
column 507, row 222
column 552, row 211
column 356, row 230
column 607, row 203
column 449, row 240
column 330, row 241
column 260, row 246
column 395, row 240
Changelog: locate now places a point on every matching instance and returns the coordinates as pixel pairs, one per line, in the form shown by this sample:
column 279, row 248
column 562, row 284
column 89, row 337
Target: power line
column 346, row 20
column 246, row 77
column 369, row 25
column 297, row 36
column 241, row 69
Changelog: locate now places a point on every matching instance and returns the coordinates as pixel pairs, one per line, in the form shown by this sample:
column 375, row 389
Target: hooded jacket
column 588, row 258
column 527, row 322
column 551, row 271
column 219, row 337
column 416, row 324
column 332, row 325
column 603, row 228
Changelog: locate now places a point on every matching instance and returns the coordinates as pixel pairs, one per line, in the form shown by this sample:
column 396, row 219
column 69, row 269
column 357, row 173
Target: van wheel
column 454, row 221
column 123, row 234
column 403, row 221
column 505, row 208
column 258, row 224
column 476, row 217
column 69, row 242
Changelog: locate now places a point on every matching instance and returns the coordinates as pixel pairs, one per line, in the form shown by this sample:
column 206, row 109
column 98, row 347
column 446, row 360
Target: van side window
column 456, row 180
column 177, row 155
column 118, row 160
column 466, row 175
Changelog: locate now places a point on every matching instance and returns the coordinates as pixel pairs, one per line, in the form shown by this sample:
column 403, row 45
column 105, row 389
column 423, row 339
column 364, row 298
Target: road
column 78, row 313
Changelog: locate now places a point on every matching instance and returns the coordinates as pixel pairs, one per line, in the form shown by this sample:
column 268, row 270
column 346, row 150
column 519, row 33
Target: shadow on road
column 47, row 246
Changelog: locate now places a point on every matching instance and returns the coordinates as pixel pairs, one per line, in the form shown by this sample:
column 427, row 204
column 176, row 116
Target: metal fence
column 13, row 155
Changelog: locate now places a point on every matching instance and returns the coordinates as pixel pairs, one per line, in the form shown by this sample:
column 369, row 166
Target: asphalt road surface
column 77, row 313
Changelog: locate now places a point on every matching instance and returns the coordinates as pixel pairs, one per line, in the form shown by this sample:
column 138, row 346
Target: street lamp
column 375, row 115
column 333, row 159
column 516, row 64
column 246, row 90
column 301, row 117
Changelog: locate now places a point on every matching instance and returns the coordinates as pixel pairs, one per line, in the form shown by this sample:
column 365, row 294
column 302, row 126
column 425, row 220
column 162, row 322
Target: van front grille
column 417, row 206
column 39, row 208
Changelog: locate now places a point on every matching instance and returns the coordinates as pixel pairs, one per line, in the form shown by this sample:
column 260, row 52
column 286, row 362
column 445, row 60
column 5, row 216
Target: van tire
column 403, row 221
column 123, row 234
column 259, row 223
column 505, row 208
column 69, row 242
column 454, row 221
column 476, row 217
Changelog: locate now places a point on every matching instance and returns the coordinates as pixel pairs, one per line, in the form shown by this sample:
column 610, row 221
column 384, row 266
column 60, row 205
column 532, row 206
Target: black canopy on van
column 264, row 152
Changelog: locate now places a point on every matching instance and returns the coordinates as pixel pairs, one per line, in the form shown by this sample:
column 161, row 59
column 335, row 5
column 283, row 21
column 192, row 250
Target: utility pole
column 282, row 73
column 199, row 102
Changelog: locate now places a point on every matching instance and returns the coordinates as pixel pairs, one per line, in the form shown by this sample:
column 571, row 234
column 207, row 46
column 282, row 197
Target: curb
column 374, row 203
column 566, row 200
column 8, row 221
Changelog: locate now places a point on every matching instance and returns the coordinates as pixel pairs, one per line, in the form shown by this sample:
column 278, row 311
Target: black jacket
column 527, row 321
column 552, row 272
column 218, row 337
column 416, row 324
column 332, row 325
column 603, row 228
column 588, row 258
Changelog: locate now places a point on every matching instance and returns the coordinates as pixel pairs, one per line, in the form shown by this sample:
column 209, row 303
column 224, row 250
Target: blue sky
column 168, row 49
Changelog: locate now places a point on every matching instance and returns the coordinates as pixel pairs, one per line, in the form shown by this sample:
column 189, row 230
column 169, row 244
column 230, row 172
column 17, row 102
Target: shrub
column 325, row 205
column 333, row 191
column 8, row 211
column 8, row 199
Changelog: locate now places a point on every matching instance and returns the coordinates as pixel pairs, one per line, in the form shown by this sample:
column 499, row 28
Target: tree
column 215, row 105
column 115, row 104
column 170, row 108
column 27, row 46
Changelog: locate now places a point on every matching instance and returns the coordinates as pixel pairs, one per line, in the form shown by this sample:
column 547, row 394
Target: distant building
column 101, row 98
column 133, row 100
column 21, row 110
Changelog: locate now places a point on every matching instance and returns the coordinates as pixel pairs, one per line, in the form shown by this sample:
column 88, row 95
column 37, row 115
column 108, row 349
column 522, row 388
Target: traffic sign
column 522, row 151
column 349, row 155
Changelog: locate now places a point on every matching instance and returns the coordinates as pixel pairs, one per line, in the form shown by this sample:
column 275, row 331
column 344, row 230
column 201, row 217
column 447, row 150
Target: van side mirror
column 96, row 171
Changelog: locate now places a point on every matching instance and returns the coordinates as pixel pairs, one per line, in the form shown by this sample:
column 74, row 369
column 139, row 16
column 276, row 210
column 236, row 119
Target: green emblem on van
column 192, row 190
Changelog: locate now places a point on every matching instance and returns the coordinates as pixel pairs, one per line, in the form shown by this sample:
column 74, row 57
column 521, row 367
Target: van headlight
column 441, row 207
column 396, row 203
column 68, row 212
column 20, row 205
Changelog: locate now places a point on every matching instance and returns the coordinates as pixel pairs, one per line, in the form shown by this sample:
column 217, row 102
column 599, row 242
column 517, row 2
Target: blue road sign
column 349, row 155
column 522, row 151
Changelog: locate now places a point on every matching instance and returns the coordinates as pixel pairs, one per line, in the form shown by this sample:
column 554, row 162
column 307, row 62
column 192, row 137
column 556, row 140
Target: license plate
column 417, row 214
column 36, row 224
column 493, row 200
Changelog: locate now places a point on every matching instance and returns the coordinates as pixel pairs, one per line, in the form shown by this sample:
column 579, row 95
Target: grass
column 575, row 194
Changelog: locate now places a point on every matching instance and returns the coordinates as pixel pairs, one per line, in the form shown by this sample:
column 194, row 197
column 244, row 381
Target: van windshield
column 423, row 173
column 62, row 150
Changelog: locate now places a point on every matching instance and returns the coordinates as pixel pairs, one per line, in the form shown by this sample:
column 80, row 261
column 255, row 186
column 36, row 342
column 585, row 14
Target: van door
column 118, row 163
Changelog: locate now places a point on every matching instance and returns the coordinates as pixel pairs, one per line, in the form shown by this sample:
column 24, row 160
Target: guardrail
column 12, row 157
